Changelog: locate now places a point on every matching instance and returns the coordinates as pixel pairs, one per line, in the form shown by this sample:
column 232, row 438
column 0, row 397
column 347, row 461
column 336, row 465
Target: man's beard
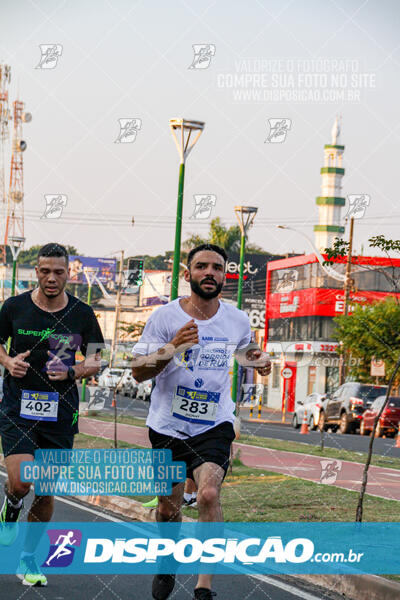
column 197, row 289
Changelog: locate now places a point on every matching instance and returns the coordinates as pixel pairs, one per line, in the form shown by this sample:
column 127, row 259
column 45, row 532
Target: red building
column 301, row 303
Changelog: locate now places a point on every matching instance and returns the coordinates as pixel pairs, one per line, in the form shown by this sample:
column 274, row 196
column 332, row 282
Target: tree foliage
column 226, row 237
column 29, row 256
column 159, row 262
column 132, row 331
column 371, row 331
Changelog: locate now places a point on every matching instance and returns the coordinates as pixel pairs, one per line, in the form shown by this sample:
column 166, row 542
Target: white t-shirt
column 192, row 393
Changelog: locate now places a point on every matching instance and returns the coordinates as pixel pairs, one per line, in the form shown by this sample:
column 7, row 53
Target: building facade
column 301, row 303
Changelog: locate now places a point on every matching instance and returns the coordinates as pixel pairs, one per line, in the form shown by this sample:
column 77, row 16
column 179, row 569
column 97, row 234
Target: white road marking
column 286, row 587
column 80, row 506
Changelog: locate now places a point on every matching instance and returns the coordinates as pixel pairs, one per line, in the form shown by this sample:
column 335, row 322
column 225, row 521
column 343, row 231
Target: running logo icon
column 203, row 205
column 54, row 206
column 62, row 547
column 50, row 53
column 358, row 204
column 128, row 129
column 330, row 469
column 203, row 54
column 278, row 129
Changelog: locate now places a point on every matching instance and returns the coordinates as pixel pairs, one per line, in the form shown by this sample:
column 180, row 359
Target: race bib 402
column 40, row 406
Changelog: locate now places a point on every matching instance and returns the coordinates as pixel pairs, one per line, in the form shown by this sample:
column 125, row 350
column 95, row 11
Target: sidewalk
column 268, row 415
column 382, row 482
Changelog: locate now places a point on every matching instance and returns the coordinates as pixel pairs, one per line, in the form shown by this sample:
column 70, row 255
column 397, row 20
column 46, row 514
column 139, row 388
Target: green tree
column 340, row 249
column 226, row 237
column 29, row 256
column 159, row 262
column 132, row 331
column 371, row 331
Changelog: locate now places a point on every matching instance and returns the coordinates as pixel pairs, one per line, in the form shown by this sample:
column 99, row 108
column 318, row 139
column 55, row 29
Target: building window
column 331, row 379
column 293, row 329
column 276, row 375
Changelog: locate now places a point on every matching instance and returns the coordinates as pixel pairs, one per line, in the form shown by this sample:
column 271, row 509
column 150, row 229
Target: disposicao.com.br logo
column 191, row 550
column 226, row 548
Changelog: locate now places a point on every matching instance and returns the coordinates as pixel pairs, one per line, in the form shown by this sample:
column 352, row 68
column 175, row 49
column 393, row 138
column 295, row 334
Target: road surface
column 138, row 587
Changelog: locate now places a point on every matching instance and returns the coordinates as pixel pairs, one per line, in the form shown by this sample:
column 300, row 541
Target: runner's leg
column 208, row 477
column 169, row 507
column 15, row 488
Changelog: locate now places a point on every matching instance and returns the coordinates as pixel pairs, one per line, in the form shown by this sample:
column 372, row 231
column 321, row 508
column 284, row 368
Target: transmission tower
column 5, row 78
column 15, row 202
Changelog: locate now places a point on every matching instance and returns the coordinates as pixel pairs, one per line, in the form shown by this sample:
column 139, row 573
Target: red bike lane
column 382, row 482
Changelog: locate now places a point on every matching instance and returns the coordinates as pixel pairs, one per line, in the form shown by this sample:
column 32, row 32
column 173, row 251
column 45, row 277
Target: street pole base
column 236, row 427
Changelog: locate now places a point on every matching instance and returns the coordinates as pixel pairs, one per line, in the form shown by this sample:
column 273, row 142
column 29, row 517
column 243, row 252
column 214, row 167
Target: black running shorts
column 26, row 439
column 214, row 445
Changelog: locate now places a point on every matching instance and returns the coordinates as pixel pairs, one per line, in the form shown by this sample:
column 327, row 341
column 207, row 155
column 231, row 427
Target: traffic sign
column 377, row 367
column 287, row 373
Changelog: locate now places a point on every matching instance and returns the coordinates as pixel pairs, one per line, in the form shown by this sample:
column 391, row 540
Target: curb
column 357, row 587
column 270, row 421
column 124, row 506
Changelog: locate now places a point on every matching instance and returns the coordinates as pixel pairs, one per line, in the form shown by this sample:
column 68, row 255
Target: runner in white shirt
column 187, row 346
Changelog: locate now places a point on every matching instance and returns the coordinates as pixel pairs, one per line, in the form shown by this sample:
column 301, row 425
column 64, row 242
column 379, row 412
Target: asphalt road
column 131, row 587
column 354, row 442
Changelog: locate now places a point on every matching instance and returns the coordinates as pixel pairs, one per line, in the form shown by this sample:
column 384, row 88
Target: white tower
column 330, row 202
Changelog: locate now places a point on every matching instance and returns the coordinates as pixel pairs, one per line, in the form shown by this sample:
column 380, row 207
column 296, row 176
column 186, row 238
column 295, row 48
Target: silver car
column 312, row 404
column 144, row 390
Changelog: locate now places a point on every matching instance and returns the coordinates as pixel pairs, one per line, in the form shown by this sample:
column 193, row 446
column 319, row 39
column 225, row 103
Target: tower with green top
column 331, row 201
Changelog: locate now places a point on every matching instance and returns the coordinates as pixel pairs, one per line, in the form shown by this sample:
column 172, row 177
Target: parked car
column 122, row 378
column 389, row 420
column 345, row 407
column 312, row 404
column 103, row 366
column 128, row 385
column 144, row 390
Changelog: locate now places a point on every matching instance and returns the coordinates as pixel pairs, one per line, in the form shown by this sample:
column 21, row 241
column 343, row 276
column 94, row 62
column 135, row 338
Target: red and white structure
column 301, row 302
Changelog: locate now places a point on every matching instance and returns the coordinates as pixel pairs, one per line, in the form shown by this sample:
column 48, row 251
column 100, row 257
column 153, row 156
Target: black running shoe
column 8, row 513
column 9, row 527
column 203, row 594
column 162, row 586
column 192, row 503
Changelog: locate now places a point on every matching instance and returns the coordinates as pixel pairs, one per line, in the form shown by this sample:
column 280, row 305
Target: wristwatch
column 71, row 373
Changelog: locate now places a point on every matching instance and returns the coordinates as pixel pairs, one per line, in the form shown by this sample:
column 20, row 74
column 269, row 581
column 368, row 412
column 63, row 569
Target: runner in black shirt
column 47, row 326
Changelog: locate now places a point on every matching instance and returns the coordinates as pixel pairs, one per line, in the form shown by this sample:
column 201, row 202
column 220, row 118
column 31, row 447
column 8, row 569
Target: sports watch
column 71, row 373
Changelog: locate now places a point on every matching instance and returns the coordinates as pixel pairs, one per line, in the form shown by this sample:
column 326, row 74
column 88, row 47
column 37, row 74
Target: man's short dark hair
column 210, row 247
column 53, row 249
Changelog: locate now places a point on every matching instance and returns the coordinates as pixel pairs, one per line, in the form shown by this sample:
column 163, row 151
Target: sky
column 121, row 59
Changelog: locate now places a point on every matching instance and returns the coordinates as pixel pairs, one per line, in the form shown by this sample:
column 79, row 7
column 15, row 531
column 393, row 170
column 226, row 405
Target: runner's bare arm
column 16, row 366
column 252, row 356
column 88, row 367
column 146, row 366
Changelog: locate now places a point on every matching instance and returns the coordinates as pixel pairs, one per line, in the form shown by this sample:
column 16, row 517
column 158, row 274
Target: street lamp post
column 245, row 216
column 178, row 128
column 16, row 244
column 117, row 309
column 90, row 275
column 347, row 287
column 328, row 270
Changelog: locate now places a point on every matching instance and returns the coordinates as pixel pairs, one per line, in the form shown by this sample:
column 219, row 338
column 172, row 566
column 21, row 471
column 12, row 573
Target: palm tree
column 226, row 237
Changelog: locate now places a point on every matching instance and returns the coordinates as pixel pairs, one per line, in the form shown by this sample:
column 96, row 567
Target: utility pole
column 117, row 308
column 347, row 288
